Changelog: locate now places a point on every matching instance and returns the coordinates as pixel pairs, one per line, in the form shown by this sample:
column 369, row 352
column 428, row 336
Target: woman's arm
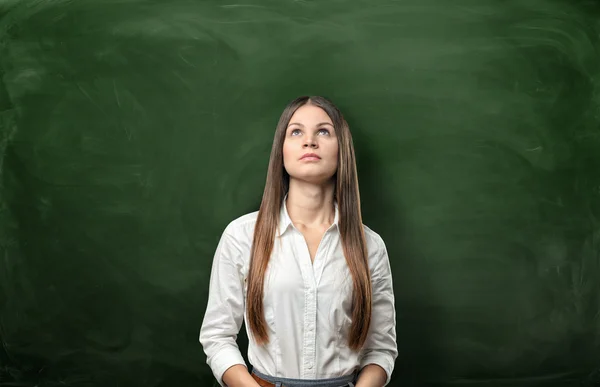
column 225, row 314
column 238, row 376
column 371, row 375
column 380, row 351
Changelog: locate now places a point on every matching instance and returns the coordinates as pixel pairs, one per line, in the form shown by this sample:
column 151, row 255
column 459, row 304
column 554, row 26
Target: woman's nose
column 310, row 142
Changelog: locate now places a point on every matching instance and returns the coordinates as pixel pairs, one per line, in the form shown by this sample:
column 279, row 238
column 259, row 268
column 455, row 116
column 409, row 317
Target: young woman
column 312, row 283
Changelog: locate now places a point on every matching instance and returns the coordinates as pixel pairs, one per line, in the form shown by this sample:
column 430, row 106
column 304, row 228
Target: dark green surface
column 132, row 132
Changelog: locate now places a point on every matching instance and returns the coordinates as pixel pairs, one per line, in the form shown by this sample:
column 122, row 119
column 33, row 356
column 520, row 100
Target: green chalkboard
column 132, row 132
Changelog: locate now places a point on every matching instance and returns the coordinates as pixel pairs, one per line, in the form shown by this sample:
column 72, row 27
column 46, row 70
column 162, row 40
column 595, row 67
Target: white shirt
column 307, row 305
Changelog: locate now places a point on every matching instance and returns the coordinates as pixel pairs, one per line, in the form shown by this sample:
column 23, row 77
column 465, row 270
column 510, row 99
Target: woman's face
column 310, row 131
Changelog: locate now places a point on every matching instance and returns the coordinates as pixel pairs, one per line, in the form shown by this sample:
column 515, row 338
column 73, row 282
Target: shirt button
column 310, row 365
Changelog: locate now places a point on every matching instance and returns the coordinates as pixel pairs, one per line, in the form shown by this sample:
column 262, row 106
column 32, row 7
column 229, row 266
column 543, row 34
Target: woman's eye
column 294, row 131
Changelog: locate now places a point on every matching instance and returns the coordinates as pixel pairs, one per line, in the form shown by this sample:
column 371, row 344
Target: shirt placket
column 309, row 370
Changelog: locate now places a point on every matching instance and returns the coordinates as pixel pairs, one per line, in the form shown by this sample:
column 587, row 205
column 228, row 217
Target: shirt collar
column 285, row 221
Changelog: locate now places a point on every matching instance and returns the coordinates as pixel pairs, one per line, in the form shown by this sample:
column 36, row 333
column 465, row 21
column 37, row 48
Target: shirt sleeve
column 381, row 348
column 225, row 308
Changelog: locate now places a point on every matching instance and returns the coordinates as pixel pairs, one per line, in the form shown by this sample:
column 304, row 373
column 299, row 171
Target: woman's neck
column 311, row 205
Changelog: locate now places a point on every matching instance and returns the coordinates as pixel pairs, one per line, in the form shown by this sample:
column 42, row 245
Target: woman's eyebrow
column 319, row 124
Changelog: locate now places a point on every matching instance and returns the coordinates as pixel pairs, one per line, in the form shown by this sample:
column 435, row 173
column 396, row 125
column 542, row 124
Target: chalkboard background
column 132, row 132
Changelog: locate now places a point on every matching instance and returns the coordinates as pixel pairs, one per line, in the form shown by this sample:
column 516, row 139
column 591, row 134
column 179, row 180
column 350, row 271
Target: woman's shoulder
column 375, row 243
column 242, row 226
column 237, row 237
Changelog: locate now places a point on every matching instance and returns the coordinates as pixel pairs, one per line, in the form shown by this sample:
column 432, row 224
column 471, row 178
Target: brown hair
column 350, row 225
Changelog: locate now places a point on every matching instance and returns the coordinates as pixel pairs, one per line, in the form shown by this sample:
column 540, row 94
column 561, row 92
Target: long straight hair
column 350, row 225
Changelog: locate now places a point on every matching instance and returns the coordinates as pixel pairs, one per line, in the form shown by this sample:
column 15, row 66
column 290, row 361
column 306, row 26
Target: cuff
column 224, row 360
